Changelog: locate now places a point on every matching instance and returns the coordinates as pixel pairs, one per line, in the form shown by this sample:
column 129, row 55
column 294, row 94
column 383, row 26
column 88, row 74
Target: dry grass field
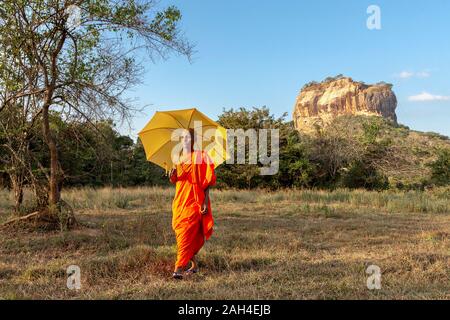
column 293, row 244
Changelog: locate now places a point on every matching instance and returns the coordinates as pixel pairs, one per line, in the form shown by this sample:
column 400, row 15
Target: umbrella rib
column 190, row 119
column 175, row 119
column 160, row 147
column 170, row 128
column 167, row 128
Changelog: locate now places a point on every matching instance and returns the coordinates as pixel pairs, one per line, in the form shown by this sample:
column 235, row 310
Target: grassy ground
column 282, row 245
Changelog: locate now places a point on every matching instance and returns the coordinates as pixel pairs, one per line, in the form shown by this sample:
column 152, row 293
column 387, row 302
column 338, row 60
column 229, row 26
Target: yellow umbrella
column 160, row 136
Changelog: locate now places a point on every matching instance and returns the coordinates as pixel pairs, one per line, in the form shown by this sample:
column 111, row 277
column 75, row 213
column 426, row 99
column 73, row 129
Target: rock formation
column 319, row 103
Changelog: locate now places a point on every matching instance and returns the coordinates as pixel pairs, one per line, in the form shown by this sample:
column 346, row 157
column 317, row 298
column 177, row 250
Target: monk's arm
column 205, row 201
column 207, row 194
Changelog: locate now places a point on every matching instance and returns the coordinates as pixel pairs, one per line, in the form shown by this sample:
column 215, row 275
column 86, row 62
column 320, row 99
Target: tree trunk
column 17, row 186
column 54, row 193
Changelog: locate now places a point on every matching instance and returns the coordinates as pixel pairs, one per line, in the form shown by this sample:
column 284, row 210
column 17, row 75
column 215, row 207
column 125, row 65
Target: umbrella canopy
column 160, row 136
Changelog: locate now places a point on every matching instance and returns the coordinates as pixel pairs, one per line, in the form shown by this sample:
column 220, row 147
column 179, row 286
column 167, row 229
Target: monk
column 192, row 219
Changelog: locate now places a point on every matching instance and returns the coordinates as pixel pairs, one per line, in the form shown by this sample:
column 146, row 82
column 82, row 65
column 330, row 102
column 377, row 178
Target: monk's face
column 186, row 140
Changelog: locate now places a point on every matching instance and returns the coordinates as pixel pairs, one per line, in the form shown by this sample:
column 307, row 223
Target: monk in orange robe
column 192, row 219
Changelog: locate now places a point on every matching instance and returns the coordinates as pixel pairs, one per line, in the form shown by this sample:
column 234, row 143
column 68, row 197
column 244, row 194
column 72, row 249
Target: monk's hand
column 204, row 208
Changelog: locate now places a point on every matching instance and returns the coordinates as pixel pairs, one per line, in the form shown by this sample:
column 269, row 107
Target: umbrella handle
column 166, row 168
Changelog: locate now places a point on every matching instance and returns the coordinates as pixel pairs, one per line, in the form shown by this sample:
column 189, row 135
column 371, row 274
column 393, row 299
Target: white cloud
column 423, row 74
column 425, row 96
column 410, row 74
column 405, row 75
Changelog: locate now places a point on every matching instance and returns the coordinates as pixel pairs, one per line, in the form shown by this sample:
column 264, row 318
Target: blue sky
column 256, row 53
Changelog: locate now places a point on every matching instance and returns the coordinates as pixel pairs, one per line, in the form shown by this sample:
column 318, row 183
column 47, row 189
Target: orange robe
column 192, row 227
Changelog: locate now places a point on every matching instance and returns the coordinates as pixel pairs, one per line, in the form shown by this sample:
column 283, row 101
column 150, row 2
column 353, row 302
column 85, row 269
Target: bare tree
column 79, row 57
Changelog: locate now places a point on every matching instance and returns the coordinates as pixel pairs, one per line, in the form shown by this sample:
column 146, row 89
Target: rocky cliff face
column 319, row 103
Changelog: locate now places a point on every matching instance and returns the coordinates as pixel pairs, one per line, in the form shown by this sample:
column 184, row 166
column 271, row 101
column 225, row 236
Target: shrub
column 362, row 175
column 440, row 168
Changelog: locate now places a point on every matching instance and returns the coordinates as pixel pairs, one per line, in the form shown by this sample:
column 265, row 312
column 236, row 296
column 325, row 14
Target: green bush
column 361, row 175
column 440, row 169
